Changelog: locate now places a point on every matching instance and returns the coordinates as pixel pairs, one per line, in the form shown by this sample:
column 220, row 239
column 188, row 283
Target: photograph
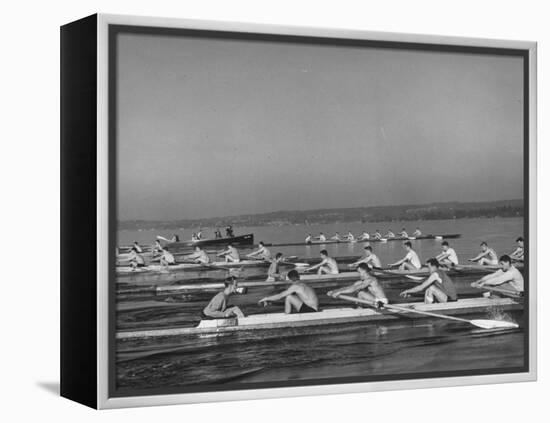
column 294, row 210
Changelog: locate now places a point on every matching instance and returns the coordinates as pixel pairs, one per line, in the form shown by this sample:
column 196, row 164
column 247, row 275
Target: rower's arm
column 210, row 310
column 279, row 296
column 480, row 256
column 420, row 288
column 351, row 289
column 442, row 256
column 316, row 266
column 500, row 279
column 397, row 263
column 490, row 276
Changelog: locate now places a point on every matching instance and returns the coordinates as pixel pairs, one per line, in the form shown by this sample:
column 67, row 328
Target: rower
column 194, row 237
column 199, row 256
column 262, row 252
column 322, row 237
column 157, row 247
column 137, row 247
column 403, row 233
column 364, row 236
column 448, row 256
column 217, row 233
column 273, row 271
column 136, row 260
column 377, row 234
column 487, row 257
column 437, row 287
column 350, row 237
column 367, row 287
column 517, row 255
column 327, row 266
column 199, row 234
column 417, row 232
column 508, row 277
column 231, row 254
column 167, row 258
column 336, row 237
column 308, row 239
column 175, row 238
column 410, row 261
column 370, row 259
column 229, row 231
column 218, row 307
column 390, row 234
column 298, row 296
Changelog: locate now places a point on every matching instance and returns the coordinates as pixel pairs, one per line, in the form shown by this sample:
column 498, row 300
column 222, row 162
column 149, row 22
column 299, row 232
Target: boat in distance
column 329, row 316
column 343, row 241
column 237, row 241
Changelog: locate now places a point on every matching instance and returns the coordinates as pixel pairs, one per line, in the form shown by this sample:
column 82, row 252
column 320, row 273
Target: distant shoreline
column 402, row 213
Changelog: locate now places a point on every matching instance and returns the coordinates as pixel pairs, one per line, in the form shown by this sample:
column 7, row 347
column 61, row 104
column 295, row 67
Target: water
column 403, row 347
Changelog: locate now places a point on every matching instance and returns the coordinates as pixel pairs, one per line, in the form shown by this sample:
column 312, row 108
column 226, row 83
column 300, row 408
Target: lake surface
column 366, row 350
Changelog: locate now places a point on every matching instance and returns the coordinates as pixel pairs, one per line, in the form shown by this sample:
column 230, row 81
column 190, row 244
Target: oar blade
column 494, row 324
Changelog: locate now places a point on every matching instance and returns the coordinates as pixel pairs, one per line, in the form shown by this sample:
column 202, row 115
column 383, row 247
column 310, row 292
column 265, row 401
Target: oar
column 480, row 323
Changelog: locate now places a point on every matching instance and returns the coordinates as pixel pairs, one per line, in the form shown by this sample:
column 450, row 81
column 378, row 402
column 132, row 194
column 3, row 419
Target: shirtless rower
column 508, row 276
column 389, row 234
column 136, row 260
column 518, row 253
column 322, row 237
column 261, row 253
column 308, row 239
column 364, row 236
column 438, row 287
column 448, row 256
column 410, row 261
column 199, row 256
column 218, row 307
column 487, row 257
column 327, row 266
column 199, row 234
column 417, row 232
column 298, row 296
column 231, row 254
column 370, row 259
column 336, row 237
column 403, row 233
column 273, row 273
column 367, row 287
column 194, row 237
column 378, row 234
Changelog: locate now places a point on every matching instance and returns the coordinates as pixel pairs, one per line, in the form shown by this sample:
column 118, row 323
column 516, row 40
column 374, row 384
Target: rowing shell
column 314, row 279
column 397, row 238
column 325, row 317
column 222, row 265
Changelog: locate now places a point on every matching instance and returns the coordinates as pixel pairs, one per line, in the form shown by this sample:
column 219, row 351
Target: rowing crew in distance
column 365, row 236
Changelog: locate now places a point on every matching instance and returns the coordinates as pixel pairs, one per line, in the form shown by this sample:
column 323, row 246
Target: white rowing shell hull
column 324, row 317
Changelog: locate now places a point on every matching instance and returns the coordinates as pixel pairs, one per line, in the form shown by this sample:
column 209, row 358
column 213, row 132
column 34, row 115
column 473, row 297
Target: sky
column 210, row 127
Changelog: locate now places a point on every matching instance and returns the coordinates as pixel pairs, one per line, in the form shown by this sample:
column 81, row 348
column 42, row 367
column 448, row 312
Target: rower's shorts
column 306, row 309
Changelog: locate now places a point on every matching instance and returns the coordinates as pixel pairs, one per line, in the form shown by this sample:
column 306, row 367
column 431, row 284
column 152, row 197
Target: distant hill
column 433, row 211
